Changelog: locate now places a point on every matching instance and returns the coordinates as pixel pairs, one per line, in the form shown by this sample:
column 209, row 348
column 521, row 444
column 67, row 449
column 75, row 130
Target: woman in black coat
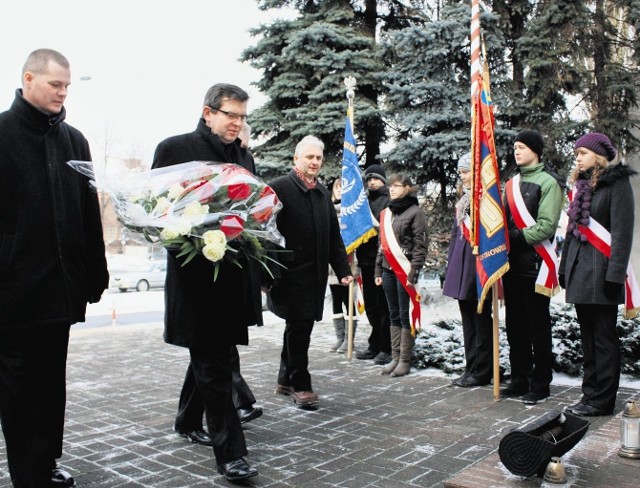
column 602, row 195
column 405, row 224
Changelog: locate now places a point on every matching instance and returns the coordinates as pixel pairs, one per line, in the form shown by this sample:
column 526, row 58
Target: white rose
column 169, row 233
column 214, row 252
column 214, row 237
column 175, row 191
column 195, row 212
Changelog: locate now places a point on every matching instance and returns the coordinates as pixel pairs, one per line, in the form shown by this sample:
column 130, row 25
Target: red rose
column 232, row 226
column 262, row 211
column 239, row 191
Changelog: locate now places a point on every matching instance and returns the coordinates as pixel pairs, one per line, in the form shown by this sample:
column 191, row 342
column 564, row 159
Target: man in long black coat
column 194, row 302
column 309, row 224
column 52, row 262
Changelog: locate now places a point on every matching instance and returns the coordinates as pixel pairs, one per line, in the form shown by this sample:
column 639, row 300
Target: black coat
column 367, row 252
column 310, row 226
column 410, row 228
column 585, row 269
column 52, row 255
column 194, row 302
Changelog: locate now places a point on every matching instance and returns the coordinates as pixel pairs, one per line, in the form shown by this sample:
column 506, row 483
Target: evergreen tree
column 581, row 72
column 305, row 62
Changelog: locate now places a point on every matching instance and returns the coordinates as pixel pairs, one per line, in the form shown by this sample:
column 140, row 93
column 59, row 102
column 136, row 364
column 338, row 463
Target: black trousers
column 340, row 300
column 477, row 330
column 208, row 383
column 528, row 324
column 294, row 358
column 377, row 310
column 602, row 357
column 191, row 405
column 32, row 401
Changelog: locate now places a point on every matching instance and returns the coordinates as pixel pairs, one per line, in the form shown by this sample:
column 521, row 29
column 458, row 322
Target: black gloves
column 517, row 235
column 412, row 277
column 561, row 281
column 612, row 290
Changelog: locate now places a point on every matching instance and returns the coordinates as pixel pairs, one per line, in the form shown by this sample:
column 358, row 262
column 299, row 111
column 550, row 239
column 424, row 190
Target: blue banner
column 356, row 221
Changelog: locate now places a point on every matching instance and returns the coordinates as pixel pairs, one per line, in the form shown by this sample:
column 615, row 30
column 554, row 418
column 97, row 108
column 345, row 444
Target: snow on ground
column 437, row 307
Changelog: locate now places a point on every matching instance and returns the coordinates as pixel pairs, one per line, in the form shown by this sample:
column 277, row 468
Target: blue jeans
column 397, row 299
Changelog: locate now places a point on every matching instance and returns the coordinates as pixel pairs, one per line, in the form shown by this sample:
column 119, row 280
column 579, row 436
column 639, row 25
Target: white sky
column 150, row 62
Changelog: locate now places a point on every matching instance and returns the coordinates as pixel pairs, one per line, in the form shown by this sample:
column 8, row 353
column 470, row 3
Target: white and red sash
column 465, row 228
column 547, row 280
column 400, row 266
column 600, row 238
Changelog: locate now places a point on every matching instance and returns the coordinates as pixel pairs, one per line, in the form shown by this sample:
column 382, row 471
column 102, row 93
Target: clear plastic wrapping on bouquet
column 195, row 207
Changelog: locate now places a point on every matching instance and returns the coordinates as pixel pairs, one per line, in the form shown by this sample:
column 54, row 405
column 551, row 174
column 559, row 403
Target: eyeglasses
column 230, row 115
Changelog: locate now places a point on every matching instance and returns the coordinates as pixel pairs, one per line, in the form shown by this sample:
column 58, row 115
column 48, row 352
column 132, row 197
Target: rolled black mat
column 527, row 450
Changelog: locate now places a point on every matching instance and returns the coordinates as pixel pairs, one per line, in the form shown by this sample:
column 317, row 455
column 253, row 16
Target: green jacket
column 544, row 198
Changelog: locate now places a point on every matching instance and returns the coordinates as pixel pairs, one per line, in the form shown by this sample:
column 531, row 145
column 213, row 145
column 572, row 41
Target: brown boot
column 406, row 353
column 395, row 350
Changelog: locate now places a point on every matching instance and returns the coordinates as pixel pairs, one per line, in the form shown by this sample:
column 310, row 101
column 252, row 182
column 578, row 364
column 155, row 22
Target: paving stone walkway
column 371, row 430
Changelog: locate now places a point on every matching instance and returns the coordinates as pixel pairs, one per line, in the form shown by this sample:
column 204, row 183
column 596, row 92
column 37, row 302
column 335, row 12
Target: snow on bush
column 440, row 345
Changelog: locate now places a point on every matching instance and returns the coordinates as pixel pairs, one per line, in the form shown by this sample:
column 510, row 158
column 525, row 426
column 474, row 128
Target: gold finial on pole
column 350, row 83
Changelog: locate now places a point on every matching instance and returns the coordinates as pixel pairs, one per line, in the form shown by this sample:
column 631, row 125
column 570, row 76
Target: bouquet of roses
column 200, row 207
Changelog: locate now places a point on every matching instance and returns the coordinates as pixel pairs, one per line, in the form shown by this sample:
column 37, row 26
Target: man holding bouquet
column 195, row 298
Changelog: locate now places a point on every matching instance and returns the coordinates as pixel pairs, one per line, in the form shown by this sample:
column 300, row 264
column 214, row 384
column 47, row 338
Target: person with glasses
column 193, row 299
column 401, row 256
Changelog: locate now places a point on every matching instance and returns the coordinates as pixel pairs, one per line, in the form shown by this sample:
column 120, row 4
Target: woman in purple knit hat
column 601, row 208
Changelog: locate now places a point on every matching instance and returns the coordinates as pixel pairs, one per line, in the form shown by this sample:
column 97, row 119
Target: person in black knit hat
column 375, row 301
column 533, row 204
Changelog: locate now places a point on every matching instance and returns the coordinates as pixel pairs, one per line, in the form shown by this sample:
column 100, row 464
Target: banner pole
column 496, row 343
column 350, row 83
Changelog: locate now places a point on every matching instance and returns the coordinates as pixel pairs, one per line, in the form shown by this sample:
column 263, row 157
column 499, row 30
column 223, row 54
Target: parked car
column 150, row 275
column 429, row 284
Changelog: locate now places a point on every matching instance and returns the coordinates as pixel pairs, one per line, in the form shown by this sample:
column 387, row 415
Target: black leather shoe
column 236, row 470
column 512, row 391
column 197, row 436
column 571, row 407
column 368, row 354
column 470, row 382
column 382, row 358
column 586, row 410
column 60, row 478
column 455, row 380
column 249, row 414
